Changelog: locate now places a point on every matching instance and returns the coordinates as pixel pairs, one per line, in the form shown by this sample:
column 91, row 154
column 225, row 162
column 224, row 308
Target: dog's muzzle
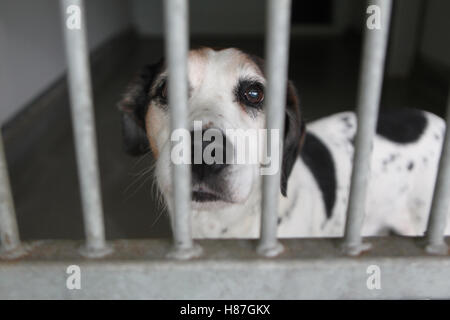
column 209, row 164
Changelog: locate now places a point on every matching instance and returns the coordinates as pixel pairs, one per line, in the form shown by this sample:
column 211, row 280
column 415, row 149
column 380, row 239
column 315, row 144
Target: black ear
column 294, row 133
column 135, row 140
column 134, row 107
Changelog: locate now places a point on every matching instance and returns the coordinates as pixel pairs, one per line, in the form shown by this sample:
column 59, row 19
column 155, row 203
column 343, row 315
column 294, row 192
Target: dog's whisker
column 161, row 211
column 140, row 186
column 145, row 174
column 135, row 181
column 141, row 158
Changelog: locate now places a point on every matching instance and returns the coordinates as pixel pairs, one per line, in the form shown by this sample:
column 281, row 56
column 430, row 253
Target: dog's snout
column 200, row 171
column 208, row 153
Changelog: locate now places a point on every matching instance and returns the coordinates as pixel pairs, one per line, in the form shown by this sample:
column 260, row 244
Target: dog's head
column 226, row 93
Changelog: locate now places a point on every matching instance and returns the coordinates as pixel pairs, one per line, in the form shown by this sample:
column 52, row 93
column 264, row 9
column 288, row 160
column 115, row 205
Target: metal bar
column 9, row 232
column 277, row 51
column 369, row 93
column 74, row 27
column 176, row 46
column 230, row 269
column 441, row 198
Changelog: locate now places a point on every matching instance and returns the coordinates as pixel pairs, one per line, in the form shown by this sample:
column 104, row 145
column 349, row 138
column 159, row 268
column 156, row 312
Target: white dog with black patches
column 226, row 91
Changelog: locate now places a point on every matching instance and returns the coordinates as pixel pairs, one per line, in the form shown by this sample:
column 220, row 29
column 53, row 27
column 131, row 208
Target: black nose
column 201, row 170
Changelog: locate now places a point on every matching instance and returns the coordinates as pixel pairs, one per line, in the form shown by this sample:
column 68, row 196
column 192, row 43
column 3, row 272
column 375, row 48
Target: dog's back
column 405, row 158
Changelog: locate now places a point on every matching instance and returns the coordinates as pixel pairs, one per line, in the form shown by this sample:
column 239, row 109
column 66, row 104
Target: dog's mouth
column 201, row 196
column 205, row 194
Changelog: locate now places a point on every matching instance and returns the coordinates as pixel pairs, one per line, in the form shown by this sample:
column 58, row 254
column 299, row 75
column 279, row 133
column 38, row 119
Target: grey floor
column 45, row 187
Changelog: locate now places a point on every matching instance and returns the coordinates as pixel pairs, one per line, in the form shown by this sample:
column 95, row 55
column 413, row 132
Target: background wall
column 405, row 36
column 243, row 17
column 32, row 54
column 436, row 28
column 206, row 17
column 31, row 45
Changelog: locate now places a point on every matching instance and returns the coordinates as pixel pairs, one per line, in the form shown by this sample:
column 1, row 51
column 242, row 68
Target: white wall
column 436, row 39
column 31, row 45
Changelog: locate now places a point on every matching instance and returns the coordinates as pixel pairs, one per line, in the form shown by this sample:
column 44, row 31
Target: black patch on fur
column 294, row 131
column 134, row 107
column 135, row 141
column 410, row 166
column 320, row 161
column 401, row 125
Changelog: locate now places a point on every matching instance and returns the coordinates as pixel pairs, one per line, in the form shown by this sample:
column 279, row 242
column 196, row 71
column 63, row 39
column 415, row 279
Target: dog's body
column 404, row 164
column 226, row 91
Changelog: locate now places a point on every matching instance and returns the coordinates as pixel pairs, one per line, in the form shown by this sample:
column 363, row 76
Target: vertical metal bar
column 277, row 51
column 176, row 46
column 441, row 198
column 369, row 93
column 74, row 27
column 9, row 233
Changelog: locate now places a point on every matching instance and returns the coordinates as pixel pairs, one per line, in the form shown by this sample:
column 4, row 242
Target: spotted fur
column 314, row 184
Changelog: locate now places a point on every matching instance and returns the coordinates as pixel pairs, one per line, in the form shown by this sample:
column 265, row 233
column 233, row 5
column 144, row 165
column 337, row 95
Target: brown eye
column 164, row 90
column 161, row 91
column 254, row 95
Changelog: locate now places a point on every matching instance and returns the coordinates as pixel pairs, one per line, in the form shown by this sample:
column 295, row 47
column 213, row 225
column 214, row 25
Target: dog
column 226, row 90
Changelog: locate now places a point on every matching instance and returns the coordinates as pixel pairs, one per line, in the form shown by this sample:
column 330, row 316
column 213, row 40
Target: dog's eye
column 254, row 94
column 164, row 90
column 250, row 93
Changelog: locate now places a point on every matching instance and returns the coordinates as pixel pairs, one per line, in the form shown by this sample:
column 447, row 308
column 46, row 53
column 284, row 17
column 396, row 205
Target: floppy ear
column 294, row 133
column 134, row 106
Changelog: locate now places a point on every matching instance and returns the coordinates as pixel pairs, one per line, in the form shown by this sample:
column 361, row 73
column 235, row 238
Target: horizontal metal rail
column 84, row 125
column 369, row 94
column 277, row 51
column 396, row 268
